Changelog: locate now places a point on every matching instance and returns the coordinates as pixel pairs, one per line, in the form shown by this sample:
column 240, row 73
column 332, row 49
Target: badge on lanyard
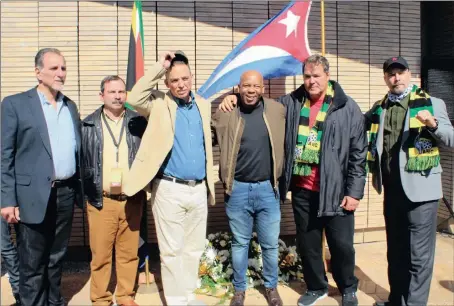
column 116, row 173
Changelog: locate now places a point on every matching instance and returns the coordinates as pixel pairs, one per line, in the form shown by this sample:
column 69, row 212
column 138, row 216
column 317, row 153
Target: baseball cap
column 180, row 57
column 395, row 61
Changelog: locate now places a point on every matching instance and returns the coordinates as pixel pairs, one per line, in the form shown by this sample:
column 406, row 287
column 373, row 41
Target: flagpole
column 322, row 12
column 322, row 21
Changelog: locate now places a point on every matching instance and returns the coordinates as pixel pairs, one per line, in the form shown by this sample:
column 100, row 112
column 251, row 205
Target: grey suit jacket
column 27, row 167
column 425, row 185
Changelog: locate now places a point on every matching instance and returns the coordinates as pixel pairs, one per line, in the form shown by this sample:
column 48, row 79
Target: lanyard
column 117, row 144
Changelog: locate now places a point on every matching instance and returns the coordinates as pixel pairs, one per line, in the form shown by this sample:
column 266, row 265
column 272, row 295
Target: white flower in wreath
column 211, row 237
column 223, row 259
column 210, row 255
column 223, row 243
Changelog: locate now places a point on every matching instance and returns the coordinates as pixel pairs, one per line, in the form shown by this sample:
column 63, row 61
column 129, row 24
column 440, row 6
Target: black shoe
column 272, row 297
column 237, row 299
column 17, row 298
column 349, row 299
column 311, row 297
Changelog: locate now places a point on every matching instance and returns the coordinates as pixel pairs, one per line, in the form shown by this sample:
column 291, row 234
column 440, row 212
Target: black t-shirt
column 254, row 162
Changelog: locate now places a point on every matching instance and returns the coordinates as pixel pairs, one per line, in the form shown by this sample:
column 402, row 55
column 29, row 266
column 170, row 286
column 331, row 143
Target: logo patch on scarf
column 423, row 145
column 312, row 138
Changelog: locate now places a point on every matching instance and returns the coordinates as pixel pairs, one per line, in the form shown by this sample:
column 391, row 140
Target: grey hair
column 108, row 79
column 176, row 63
column 317, row 59
column 39, row 57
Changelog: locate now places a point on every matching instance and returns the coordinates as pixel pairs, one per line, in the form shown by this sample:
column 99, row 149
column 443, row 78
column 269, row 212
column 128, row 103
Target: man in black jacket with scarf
column 325, row 159
column 110, row 140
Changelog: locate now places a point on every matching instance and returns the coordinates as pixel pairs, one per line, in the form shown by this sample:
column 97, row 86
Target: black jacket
column 92, row 146
column 343, row 151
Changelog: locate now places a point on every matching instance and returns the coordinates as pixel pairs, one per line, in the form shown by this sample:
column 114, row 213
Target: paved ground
column 370, row 269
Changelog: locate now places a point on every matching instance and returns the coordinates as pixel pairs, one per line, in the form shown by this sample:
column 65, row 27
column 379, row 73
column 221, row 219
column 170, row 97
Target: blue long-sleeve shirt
column 62, row 136
column 187, row 158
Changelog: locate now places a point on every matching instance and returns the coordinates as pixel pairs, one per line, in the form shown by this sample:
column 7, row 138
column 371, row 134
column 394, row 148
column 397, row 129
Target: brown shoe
column 237, row 299
column 272, row 297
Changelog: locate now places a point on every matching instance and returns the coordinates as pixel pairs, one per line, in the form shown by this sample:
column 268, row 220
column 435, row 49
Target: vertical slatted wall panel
column 213, row 43
column 98, row 50
column 358, row 39
column 383, row 19
column 19, row 44
column 176, row 30
column 353, row 71
column 58, row 29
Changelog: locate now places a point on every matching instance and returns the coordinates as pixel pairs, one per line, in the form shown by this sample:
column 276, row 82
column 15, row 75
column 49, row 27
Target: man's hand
column 228, row 103
column 349, row 203
column 10, row 214
column 166, row 58
column 426, row 118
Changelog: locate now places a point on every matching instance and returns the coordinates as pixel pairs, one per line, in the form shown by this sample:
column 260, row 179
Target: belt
column 63, row 183
column 118, row 197
column 191, row 183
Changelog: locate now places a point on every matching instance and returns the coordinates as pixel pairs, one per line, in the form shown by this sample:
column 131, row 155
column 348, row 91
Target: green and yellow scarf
column 307, row 151
column 423, row 153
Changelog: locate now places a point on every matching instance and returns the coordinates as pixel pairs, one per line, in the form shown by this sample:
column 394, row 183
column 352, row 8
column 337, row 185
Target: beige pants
column 117, row 226
column 180, row 214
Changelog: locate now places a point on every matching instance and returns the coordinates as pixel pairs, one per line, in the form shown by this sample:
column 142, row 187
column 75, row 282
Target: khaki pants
column 180, row 214
column 116, row 225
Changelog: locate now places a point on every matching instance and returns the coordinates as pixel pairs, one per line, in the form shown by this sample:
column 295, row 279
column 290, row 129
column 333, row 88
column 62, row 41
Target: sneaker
column 238, row 299
column 311, row 297
column 349, row 299
column 272, row 297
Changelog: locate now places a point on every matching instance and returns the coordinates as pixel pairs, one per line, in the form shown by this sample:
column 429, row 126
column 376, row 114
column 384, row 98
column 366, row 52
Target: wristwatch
column 433, row 129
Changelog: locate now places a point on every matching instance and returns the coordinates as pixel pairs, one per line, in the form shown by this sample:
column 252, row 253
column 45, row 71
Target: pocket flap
column 23, row 179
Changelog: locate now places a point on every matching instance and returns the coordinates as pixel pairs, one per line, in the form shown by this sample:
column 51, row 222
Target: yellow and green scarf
column 307, row 151
column 423, row 153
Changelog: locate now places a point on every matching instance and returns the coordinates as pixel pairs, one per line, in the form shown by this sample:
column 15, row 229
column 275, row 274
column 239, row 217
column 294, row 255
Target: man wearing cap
column 175, row 155
column 406, row 128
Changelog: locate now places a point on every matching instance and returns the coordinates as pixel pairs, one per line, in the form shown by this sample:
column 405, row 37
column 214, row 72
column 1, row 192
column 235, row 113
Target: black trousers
column 410, row 236
column 339, row 235
column 42, row 248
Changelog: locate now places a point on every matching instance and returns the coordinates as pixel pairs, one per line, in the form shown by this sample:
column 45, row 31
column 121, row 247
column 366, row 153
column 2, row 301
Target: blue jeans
column 249, row 203
column 9, row 255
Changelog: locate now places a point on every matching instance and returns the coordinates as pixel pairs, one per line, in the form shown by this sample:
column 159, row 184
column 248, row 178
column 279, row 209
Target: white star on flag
column 291, row 22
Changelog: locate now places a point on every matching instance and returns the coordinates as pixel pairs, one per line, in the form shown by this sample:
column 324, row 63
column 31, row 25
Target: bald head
column 251, row 87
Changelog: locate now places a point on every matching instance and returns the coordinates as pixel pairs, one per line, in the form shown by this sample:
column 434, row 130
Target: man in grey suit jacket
column 41, row 177
column 405, row 129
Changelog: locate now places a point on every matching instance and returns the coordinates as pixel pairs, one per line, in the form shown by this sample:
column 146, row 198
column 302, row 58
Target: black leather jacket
column 92, row 145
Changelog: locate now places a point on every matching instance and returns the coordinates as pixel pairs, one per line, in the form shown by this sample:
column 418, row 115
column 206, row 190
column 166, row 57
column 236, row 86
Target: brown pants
column 116, row 225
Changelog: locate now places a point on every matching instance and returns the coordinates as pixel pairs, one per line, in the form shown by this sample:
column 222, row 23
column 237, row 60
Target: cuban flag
column 275, row 49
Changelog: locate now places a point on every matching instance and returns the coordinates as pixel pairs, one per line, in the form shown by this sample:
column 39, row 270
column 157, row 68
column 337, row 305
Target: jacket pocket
column 22, row 179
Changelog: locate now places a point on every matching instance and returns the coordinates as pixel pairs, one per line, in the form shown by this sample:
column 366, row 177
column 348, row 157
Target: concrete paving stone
column 370, row 269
